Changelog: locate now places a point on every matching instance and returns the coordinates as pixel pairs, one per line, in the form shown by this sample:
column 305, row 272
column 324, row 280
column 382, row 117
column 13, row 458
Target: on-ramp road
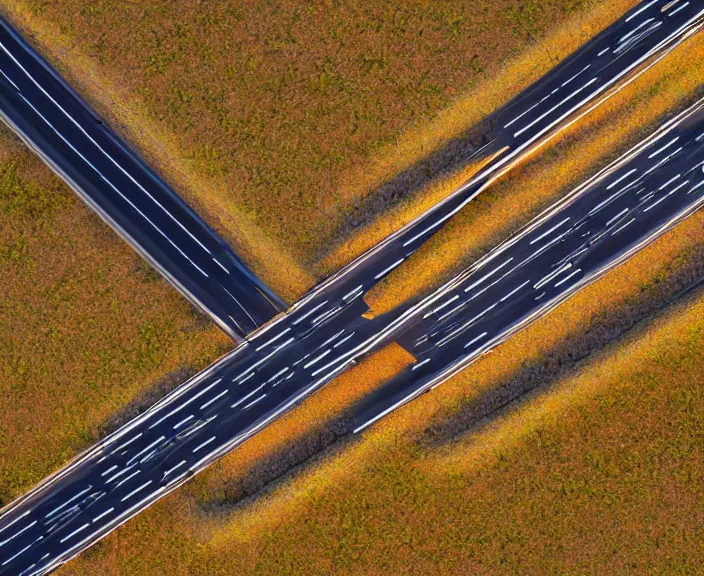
column 325, row 333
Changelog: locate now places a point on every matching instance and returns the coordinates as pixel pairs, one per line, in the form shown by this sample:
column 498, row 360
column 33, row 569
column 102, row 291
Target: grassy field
column 594, row 142
column 85, row 325
column 277, row 119
column 610, row 435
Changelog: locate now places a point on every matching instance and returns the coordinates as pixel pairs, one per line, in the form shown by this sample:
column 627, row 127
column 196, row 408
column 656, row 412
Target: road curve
column 321, row 336
column 62, row 129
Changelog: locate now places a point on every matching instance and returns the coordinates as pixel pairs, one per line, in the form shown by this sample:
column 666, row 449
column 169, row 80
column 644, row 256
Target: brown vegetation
column 393, row 501
column 600, row 472
column 85, row 325
column 582, row 150
column 275, row 119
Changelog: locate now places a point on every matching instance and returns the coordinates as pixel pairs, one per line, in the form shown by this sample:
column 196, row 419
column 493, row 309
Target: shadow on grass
column 448, row 159
column 145, row 400
column 675, row 283
column 269, row 472
column 534, row 379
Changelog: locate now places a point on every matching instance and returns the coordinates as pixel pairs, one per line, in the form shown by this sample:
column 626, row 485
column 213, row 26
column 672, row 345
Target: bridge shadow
column 470, row 146
column 537, row 378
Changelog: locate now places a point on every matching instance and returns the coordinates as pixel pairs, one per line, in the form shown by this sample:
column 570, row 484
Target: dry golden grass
column 380, row 504
column 579, row 152
column 85, row 326
column 663, row 345
column 385, row 503
column 488, row 95
column 299, row 434
column 275, row 119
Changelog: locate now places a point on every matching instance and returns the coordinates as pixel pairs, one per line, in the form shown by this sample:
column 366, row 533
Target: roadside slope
column 268, row 140
column 85, row 325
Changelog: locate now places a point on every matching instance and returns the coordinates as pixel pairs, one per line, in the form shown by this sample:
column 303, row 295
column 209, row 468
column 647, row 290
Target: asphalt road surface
column 572, row 89
column 126, row 193
column 595, row 228
column 324, row 333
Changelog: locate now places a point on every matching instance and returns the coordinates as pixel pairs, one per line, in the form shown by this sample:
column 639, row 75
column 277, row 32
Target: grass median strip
column 511, row 202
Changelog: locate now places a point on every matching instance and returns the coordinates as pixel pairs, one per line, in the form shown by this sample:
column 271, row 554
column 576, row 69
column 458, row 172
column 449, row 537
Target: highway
column 572, row 89
column 595, row 228
column 52, row 119
column 324, row 333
